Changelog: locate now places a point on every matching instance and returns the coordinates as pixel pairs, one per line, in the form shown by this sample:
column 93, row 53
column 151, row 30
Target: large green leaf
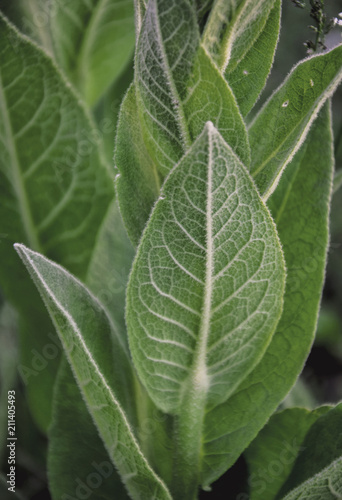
column 178, row 87
column 55, row 186
column 106, row 386
column 209, row 268
column 272, row 455
column 232, row 29
column 249, row 77
column 205, row 292
column 317, row 472
column 300, row 207
column 93, row 41
column 282, row 124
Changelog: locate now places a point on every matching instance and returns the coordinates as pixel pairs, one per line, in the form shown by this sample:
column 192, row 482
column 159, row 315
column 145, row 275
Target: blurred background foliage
column 321, row 381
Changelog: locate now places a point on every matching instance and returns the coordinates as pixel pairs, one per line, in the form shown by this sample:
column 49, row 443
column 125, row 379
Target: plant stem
column 188, row 433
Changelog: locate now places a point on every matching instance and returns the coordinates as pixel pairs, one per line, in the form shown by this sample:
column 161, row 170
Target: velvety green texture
column 300, row 207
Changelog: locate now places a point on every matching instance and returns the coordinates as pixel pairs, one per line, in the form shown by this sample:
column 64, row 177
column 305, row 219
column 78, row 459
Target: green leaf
column 93, row 41
column 282, row 124
column 105, row 385
column 317, row 472
column 109, row 268
column 210, row 98
column 138, row 182
column 178, row 87
column 232, row 29
column 205, row 292
column 300, row 207
column 249, row 77
column 210, row 241
column 272, row 455
column 72, row 428
column 55, row 186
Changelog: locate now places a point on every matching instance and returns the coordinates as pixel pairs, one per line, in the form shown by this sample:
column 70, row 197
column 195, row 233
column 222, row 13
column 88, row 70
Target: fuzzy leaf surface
column 93, row 41
column 282, row 124
column 172, row 70
column 248, row 78
column 300, row 207
column 106, row 386
column 210, row 249
column 232, row 29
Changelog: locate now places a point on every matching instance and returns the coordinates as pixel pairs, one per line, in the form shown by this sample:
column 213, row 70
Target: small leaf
column 317, row 472
column 272, row 455
column 166, row 50
column 232, row 29
column 249, row 77
column 303, row 230
column 205, row 292
column 93, row 41
column 72, row 428
column 138, row 182
column 178, row 87
column 105, row 385
column 282, row 124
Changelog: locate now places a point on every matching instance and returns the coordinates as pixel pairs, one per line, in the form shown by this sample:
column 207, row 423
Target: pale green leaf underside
column 233, row 28
column 77, row 315
column 275, row 449
column 300, row 207
column 205, row 292
column 93, row 41
column 249, row 77
column 283, row 123
column 178, row 87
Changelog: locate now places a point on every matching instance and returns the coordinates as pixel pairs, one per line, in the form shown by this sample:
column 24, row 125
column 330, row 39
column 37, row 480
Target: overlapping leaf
column 233, row 28
column 93, row 41
column 249, row 77
column 300, row 207
column 169, row 73
column 317, row 472
column 106, row 386
column 55, row 186
column 283, row 123
column 272, row 455
column 206, row 287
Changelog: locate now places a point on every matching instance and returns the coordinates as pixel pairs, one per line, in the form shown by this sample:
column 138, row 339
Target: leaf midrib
column 17, row 181
column 184, row 130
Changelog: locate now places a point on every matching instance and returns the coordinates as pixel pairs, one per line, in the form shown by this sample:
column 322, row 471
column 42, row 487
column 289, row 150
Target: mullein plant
column 186, row 298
